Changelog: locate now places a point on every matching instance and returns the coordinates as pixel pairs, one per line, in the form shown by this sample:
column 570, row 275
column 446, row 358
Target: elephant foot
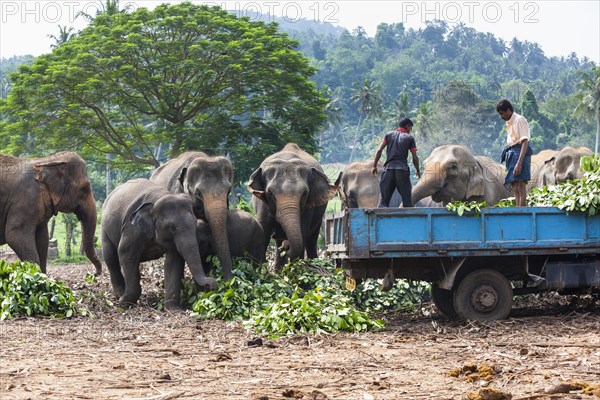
column 128, row 301
column 209, row 283
column 172, row 306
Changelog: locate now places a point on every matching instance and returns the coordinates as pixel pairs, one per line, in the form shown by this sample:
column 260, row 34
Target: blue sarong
column 511, row 154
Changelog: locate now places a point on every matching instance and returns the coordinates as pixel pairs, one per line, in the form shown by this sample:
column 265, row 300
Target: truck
column 476, row 262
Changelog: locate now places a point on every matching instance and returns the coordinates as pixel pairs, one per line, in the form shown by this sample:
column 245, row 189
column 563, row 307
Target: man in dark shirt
column 396, row 174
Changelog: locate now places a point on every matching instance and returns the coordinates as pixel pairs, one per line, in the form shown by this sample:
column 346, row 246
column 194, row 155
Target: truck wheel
column 443, row 300
column 483, row 295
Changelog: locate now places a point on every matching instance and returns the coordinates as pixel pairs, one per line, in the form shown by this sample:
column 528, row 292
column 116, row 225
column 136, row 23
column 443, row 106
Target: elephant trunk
column 216, row 214
column 423, row 189
column 188, row 248
column 87, row 214
column 288, row 216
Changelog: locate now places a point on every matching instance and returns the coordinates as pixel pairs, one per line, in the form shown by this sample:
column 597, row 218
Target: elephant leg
column 41, row 243
column 174, row 264
column 111, row 258
column 130, row 265
column 22, row 241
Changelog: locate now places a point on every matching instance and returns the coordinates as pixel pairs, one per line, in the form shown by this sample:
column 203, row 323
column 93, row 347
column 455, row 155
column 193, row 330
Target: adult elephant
column 142, row 221
column 291, row 192
column 453, row 173
column 246, row 238
column 565, row 165
column 208, row 180
column 35, row 189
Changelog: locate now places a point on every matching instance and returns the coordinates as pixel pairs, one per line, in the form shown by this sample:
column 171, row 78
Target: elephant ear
column 142, row 219
column 548, row 172
column 50, row 174
column 256, row 184
column 182, row 175
column 475, row 183
column 321, row 191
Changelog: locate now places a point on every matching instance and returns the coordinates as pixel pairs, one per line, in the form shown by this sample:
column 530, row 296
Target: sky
column 560, row 27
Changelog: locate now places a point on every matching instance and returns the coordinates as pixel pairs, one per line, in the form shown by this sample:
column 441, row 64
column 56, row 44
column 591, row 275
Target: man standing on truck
column 517, row 152
column 396, row 174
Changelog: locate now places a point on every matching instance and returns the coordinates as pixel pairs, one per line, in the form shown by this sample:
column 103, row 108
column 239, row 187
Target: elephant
column 208, row 181
column 143, row 221
column 34, row 190
column 452, row 173
column 564, row 166
column 246, row 237
column 290, row 194
column 359, row 188
column 541, row 164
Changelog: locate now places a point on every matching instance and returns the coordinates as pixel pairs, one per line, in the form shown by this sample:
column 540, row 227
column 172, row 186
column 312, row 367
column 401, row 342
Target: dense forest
column 447, row 78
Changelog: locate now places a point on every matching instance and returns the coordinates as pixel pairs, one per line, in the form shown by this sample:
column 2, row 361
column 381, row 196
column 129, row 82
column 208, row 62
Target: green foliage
column 307, row 296
column 25, row 291
column 460, row 207
column 368, row 295
column 149, row 84
column 577, row 195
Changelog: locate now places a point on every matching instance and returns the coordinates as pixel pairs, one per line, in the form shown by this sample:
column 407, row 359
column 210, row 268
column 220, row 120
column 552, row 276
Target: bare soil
column 549, row 348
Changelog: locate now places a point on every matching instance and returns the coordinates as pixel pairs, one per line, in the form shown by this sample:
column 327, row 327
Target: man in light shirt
column 518, row 152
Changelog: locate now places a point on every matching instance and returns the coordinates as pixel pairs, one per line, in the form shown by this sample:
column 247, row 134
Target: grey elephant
column 246, row 238
column 563, row 166
column 35, row 189
column 207, row 180
column 291, row 192
column 541, row 164
column 453, row 173
column 142, row 221
column 359, row 188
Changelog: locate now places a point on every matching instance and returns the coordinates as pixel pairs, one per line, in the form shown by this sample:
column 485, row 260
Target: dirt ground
column 549, row 348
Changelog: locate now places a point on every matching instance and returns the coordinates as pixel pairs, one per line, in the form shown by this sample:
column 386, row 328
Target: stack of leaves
column 26, row 291
column 307, row 296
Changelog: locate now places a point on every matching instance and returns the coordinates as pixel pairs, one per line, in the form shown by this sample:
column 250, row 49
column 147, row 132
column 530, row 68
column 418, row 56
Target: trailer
column 476, row 262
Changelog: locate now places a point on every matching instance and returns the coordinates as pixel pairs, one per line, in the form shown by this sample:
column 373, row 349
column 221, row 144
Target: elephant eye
column 452, row 171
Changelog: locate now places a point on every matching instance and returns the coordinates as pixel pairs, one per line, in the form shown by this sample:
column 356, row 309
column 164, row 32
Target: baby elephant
column 142, row 221
column 244, row 233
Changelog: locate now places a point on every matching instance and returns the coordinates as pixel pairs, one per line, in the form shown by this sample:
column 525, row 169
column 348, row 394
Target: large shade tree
column 150, row 84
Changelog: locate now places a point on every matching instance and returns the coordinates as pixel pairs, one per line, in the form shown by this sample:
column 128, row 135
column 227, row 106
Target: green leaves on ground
column 307, row 296
column 26, row 291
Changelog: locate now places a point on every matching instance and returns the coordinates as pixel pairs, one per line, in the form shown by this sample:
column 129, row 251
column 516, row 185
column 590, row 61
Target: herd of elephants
column 182, row 210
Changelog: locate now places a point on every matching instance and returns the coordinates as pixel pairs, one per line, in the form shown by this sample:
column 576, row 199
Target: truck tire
column 483, row 295
column 443, row 300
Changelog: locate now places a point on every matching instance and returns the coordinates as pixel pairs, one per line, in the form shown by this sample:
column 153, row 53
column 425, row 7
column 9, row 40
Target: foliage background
column 447, row 78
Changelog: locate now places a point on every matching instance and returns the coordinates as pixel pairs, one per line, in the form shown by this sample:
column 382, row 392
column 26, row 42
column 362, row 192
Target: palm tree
column 424, row 123
column 369, row 97
column 64, row 35
column 589, row 99
column 111, row 7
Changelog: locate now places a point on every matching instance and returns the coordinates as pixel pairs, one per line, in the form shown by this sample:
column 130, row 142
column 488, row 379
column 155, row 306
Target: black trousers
column 395, row 179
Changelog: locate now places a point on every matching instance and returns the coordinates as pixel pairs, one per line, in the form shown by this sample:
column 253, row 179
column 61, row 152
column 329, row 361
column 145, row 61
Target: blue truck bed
column 421, row 232
column 475, row 262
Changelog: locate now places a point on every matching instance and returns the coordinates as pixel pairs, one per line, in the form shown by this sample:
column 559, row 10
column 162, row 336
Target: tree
column 64, row 35
column 589, row 99
column 369, row 98
column 182, row 76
